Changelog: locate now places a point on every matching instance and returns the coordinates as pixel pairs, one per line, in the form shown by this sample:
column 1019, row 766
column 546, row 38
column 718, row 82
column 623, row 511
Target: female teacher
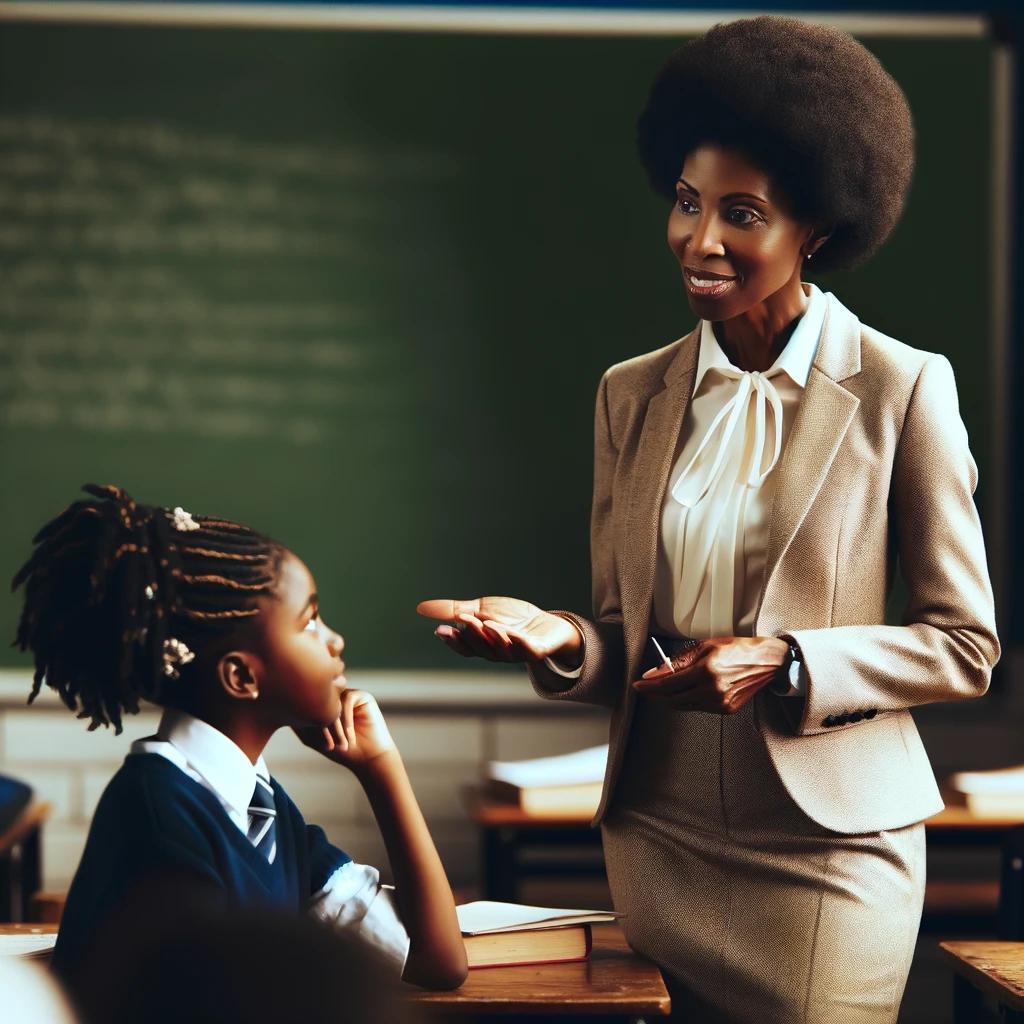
column 755, row 484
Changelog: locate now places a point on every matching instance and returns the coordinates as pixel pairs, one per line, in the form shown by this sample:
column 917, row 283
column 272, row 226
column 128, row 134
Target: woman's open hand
column 504, row 629
column 719, row 675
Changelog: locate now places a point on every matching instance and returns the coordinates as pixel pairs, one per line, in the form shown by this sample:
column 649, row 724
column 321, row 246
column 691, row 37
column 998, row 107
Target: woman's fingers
column 489, row 627
column 477, row 635
column 453, row 639
column 682, row 662
column 668, row 685
column 466, row 642
column 685, row 671
column 445, row 608
column 696, row 697
column 743, row 691
column 495, row 630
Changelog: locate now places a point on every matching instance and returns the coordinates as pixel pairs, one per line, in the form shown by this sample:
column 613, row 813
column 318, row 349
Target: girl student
column 221, row 627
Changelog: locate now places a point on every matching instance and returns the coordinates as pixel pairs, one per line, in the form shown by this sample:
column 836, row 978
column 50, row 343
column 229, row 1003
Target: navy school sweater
column 153, row 821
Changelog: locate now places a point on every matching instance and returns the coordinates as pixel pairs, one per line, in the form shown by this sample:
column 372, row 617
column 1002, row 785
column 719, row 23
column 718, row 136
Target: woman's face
column 735, row 240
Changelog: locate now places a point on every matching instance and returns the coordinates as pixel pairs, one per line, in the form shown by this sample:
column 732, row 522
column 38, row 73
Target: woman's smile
column 705, row 284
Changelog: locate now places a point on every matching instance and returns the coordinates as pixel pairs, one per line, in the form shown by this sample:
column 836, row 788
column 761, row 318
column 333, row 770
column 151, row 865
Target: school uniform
column 184, row 805
column 772, row 861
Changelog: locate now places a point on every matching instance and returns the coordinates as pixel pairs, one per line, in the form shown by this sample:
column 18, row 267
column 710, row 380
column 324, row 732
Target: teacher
column 755, row 485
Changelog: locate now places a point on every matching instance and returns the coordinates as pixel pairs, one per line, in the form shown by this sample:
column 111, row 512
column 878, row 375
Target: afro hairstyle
column 808, row 105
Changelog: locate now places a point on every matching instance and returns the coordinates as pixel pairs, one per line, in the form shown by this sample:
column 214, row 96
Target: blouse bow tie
column 733, row 458
column 734, row 449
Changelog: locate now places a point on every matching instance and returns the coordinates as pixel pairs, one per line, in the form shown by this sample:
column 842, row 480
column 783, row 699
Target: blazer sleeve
column 947, row 645
column 600, row 680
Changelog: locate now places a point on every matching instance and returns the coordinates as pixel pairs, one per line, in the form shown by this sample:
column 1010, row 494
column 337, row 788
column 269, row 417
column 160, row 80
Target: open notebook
column 30, row 945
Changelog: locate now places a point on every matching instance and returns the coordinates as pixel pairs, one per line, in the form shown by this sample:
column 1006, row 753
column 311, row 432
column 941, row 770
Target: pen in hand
column 664, row 656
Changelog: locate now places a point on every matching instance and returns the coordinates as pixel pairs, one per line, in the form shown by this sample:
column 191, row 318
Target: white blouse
column 714, row 518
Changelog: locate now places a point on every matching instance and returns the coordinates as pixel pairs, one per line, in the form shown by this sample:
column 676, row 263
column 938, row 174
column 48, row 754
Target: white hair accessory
column 182, row 520
column 176, row 656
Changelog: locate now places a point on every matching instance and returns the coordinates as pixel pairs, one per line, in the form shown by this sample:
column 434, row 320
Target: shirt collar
column 794, row 360
column 209, row 753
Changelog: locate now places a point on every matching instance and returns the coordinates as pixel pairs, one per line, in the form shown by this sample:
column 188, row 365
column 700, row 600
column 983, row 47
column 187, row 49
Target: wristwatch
column 782, row 683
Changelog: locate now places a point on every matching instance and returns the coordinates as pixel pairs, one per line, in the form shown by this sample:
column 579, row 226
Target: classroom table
column 988, row 981
column 507, row 833
column 614, row 985
column 20, row 860
column 957, row 826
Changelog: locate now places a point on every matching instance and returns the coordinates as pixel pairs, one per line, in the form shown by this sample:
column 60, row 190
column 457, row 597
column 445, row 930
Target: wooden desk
column 506, row 832
column 20, row 861
column 615, row 984
column 986, row 969
column 956, row 826
column 958, row 823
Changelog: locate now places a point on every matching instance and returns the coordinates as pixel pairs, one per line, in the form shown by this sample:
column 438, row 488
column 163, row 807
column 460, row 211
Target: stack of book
column 990, row 794
column 569, row 784
column 507, row 934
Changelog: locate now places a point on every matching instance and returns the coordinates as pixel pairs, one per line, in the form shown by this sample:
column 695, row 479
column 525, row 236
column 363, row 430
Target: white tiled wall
column 444, row 750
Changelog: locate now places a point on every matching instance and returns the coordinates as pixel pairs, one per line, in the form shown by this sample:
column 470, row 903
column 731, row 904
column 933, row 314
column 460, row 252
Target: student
column 221, row 627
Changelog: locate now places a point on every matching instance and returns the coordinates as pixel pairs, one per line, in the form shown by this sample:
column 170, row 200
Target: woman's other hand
column 719, row 676
column 504, row 629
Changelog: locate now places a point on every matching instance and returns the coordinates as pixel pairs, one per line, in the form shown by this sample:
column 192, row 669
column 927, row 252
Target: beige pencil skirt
column 753, row 911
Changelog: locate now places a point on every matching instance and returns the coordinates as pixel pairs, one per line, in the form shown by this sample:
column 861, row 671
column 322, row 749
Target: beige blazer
column 876, row 468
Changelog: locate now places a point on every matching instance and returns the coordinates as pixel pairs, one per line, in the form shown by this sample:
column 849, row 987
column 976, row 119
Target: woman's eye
column 740, row 215
column 686, row 205
column 311, row 626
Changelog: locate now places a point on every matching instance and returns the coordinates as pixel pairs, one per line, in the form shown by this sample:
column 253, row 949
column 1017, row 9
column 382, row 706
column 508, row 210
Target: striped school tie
column 262, row 831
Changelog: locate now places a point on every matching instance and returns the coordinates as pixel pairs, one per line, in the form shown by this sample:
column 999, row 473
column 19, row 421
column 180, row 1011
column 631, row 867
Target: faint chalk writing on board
column 160, row 280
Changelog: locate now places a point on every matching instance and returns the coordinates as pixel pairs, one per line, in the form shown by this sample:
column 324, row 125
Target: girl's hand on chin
column 356, row 737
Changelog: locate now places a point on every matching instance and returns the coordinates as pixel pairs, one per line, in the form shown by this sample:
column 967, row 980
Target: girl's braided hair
column 113, row 585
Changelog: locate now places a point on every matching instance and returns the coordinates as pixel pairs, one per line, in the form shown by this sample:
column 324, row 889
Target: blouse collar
column 794, row 360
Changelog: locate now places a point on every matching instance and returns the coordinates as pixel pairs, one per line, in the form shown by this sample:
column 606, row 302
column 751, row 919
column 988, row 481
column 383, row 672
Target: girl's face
column 302, row 672
column 736, row 243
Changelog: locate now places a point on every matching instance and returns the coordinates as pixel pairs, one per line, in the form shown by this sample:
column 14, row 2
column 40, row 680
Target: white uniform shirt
column 353, row 898
column 714, row 518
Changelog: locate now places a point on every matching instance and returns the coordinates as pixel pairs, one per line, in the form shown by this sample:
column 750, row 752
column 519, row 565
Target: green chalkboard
column 358, row 289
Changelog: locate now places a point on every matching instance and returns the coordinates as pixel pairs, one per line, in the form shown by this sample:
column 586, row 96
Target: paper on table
column 564, row 770
column 1000, row 780
column 485, row 916
column 28, row 945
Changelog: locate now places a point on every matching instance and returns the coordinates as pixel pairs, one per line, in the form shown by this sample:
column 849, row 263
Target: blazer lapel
column 655, row 453
column 825, row 413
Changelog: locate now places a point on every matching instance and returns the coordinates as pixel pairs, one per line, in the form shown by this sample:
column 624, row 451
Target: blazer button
column 829, row 722
column 843, row 719
column 856, row 716
column 871, row 712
